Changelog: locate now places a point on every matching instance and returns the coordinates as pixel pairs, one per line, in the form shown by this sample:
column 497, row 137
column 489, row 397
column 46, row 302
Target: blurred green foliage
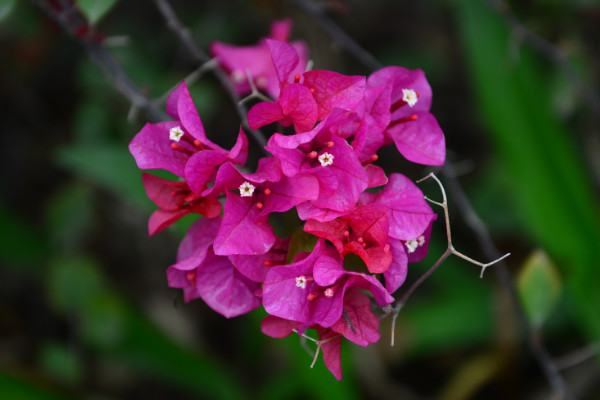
column 85, row 310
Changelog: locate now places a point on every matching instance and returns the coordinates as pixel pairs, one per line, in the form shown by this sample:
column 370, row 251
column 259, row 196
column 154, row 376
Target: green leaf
column 58, row 361
column 539, row 287
column 69, row 216
column 73, row 282
column 125, row 336
column 94, row 10
column 13, row 387
column 549, row 185
column 6, row 6
column 300, row 242
column 109, row 166
column 21, row 243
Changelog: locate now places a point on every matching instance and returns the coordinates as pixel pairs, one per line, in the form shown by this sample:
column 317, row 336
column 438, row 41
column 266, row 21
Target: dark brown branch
column 550, row 370
column 549, row 51
column 449, row 251
column 70, row 19
column 486, row 243
column 338, row 34
column 199, row 56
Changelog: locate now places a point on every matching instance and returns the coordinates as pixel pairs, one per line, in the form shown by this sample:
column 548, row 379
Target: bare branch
column 70, row 19
column 338, row 34
column 548, row 50
column 199, row 56
column 536, row 345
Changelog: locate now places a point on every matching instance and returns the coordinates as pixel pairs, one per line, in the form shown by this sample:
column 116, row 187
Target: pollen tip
column 311, row 297
column 259, row 205
column 346, row 233
column 330, row 144
column 267, row 191
column 313, row 154
column 297, row 78
column 360, row 240
column 374, row 157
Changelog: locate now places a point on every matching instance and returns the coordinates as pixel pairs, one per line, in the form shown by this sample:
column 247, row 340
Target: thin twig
column 550, row 370
column 199, row 56
column 549, row 51
column 338, row 34
column 539, row 351
column 449, row 251
column 70, row 20
column 255, row 94
column 319, row 343
column 578, row 356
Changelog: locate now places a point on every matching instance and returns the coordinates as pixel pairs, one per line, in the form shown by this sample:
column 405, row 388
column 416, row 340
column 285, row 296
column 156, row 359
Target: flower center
column 410, row 97
column 176, row 133
column 246, row 189
column 301, row 282
column 412, row 244
column 326, row 159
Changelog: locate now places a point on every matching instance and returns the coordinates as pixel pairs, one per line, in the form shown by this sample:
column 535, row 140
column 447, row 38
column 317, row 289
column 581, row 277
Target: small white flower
column 326, row 159
column 410, row 97
column 421, row 240
column 246, row 189
column 176, row 133
column 329, row 292
column 412, row 245
column 301, row 282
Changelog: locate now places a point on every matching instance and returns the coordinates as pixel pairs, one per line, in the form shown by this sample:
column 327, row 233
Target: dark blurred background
column 85, row 311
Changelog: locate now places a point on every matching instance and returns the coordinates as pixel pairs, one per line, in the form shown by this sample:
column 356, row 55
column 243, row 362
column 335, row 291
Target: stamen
column 198, row 144
column 397, row 105
column 177, row 147
column 360, row 240
column 313, row 154
column 238, row 76
column 246, row 189
column 413, row 117
column 346, row 233
column 191, row 276
column 271, row 263
column 330, row 144
column 312, row 90
column 259, row 205
column 178, row 192
column 370, row 160
column 296, row 78
column 312, row 296
column 267, row 191
column 175, row 133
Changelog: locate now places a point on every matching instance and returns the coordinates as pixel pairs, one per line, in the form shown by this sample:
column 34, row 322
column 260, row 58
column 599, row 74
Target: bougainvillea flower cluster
column 357, row 228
